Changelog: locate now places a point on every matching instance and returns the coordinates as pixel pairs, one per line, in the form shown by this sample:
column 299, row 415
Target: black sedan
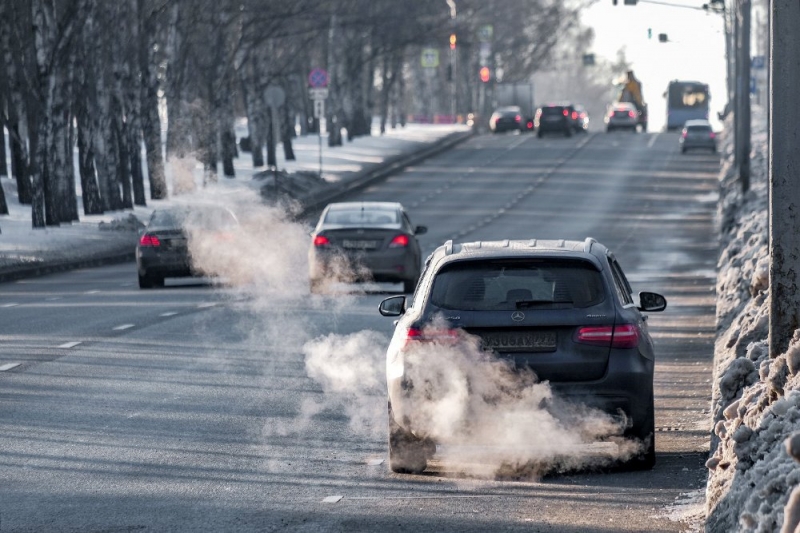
column 164, row 249
column 506, row 119
column 365, row 241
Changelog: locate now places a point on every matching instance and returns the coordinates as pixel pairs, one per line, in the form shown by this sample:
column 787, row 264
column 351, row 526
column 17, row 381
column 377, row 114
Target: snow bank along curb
column 755, row 400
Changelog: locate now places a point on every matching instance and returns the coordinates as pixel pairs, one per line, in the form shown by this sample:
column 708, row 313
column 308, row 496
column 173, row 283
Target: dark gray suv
column 562, row 309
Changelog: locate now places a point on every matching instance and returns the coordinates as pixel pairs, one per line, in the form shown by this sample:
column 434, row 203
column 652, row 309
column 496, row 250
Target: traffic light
column 649, row 33
column 485, row 74
column 452, row 41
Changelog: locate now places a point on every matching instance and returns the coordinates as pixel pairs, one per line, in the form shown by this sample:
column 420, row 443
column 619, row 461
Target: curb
column 29, row 271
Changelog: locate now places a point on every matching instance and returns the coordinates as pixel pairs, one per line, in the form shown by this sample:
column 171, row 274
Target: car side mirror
column 421, row 230
column 393, row 306
column 651, row 302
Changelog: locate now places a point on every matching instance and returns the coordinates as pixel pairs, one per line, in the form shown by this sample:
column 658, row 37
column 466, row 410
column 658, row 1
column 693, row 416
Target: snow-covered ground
column 114, row 232
column 756, row 400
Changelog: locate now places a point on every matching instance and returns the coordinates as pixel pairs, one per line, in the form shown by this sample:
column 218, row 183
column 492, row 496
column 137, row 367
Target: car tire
column 315, row 286
column 150, row 282
column 645, row 433
column 410, row 285
column 568, row 132
column 407, row 453
column 609, row 129
column 539, row 134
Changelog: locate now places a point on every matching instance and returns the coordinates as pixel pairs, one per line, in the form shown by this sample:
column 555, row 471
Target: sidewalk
column 111, row 238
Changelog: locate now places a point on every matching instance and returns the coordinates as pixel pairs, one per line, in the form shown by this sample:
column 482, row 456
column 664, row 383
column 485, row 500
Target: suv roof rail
column 587, row 244
column 448, row 247
column 561, row 243
column 532, row 243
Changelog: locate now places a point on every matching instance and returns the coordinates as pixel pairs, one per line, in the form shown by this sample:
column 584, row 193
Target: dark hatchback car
column 163, row 248
column 562, row 309
column 698, row 134
column 506, row 119
column 365, row 241
column 554, row 119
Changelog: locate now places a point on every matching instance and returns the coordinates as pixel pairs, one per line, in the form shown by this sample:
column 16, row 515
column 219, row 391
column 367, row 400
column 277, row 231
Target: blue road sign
column 318, row 78
column 757, row 62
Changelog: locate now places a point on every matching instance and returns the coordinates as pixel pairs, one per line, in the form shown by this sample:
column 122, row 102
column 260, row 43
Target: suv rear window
column 511, row 285
column 698, row 129
column 553, row 110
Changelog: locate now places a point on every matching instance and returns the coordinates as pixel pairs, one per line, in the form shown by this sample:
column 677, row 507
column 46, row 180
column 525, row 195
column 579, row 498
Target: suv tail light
column 631, row 114
column 622, row 336
column 566, row 113
column 712, row 135
column 574, row 115
column 401, row 241
column 321, row 240
column 414, row 335
column 148, row 240
column 518, row 118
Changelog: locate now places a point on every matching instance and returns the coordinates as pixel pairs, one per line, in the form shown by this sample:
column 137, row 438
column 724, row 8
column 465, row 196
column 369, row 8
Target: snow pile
column 756, row 400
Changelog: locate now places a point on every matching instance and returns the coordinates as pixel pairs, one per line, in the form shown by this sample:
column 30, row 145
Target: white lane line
column 70, row 344
column 652, row 141
column 169, row 313
column 332, row 499
column 9, row 305
column 53, row 299
column 123, row 326
column 8, row 366
column 95, row 291
column 206, row 304
column 375, row 462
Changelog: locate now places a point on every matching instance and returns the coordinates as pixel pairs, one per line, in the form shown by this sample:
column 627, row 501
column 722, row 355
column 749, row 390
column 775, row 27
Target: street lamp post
column 453, row 60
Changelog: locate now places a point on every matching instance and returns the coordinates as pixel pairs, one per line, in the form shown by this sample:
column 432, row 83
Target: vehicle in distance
column 579, row 118
column 698, row 134
column 554, row 119
column 365, row 241
column 622, row 116
column 506, row 119
column 686, row 100
column 163, row 249
column 562, row 309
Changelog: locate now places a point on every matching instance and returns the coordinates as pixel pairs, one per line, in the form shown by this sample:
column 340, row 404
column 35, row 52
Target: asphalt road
column 191, row 408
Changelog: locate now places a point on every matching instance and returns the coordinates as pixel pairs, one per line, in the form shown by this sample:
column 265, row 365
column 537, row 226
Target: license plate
column 535, row 341
column 359, row 245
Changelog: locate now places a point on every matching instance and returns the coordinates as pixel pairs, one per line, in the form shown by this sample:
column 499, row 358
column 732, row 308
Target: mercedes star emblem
column 517, row 316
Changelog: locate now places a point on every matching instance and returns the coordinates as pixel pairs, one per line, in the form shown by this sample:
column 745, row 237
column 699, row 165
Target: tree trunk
column 92, row 203
column 123, row 157
column 19, row 166
column 272, row 158
column 287, row 127
column 37, row 146
column 151, row 122
column 3, row 158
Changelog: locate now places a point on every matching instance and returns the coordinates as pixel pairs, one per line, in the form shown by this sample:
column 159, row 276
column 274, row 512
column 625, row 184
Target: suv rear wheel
column 407, row 453
column 646, row 433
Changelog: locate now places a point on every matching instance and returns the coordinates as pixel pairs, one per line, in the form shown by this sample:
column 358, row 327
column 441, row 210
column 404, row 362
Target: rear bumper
column 625, row 391
column 165, row 264
column 706, row 144
column 386, row 265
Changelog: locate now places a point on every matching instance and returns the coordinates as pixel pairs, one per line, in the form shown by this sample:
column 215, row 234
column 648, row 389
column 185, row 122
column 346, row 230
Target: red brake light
column 149, row 240
column 431, row 335
column 574, row 114
column 683, row 134
column 518, row 118
column 400, row 241
column 631, row 114
column 712, row 135
column 530, row 124
column 624, row 336
column 321, row 240
column 566, row 112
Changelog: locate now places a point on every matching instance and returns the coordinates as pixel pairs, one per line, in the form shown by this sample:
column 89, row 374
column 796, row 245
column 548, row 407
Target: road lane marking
column 53, row 299
column 123, row 326
column 206, row 304
column 9, row 366
column 332, row 499
column 95, row 291
column 9, row 305
column 169, row 313
column 652, row 141
column 375, row 462
column 70, row 344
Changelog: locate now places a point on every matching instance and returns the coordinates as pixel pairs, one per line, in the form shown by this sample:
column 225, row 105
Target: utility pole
column 784, row 173
column 744, row 15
